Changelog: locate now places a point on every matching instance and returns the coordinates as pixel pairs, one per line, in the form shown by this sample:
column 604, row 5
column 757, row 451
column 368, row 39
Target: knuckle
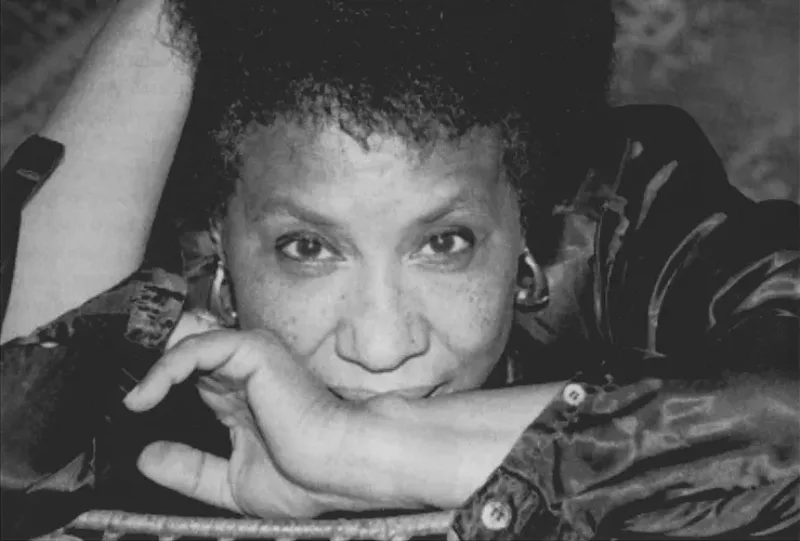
column 191, row 341
column 254, row 343
column 266, row 340
column 193, row 323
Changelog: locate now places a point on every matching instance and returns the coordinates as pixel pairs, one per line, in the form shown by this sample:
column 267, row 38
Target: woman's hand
column 290, row 435
column 300, row 451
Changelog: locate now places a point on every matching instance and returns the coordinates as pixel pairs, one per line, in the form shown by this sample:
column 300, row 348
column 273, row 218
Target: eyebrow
column 460, row 202
column 285, row 207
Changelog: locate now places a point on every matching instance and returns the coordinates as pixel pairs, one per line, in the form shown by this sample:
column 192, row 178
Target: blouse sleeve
column 686, row 421
column 62, row 384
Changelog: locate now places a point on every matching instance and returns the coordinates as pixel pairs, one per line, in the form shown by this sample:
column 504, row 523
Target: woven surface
column 119, row 525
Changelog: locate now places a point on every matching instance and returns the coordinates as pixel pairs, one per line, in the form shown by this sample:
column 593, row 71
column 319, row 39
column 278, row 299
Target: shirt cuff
column 521, row 498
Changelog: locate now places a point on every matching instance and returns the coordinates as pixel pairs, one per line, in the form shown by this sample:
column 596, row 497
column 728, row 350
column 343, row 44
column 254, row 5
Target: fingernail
column 131, row 396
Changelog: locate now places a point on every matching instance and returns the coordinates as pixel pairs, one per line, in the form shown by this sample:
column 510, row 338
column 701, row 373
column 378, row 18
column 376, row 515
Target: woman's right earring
column 535, row 295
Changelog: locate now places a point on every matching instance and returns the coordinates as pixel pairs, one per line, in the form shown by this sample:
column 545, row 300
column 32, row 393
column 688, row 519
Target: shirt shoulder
column 671, row 233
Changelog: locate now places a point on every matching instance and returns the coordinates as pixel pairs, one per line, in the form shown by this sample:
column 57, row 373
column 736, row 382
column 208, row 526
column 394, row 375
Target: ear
column 522, row 243
column 201, row 248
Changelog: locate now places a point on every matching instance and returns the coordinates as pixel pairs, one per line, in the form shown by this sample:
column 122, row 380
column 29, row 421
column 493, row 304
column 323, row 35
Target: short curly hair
column 527, row 67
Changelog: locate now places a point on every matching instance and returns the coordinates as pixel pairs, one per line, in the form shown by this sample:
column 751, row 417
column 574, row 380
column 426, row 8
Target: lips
column 358, row 395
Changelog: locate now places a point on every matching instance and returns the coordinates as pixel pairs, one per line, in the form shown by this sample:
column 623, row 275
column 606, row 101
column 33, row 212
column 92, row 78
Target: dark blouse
column 676, row 317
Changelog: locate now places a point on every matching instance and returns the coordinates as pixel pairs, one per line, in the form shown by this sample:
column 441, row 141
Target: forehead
column 293, row 157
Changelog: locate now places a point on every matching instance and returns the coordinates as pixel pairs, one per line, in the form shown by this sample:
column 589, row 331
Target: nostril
column 380, row 343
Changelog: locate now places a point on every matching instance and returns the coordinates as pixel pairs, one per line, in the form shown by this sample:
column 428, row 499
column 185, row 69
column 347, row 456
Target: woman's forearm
column 437, row 452
column 120, row 122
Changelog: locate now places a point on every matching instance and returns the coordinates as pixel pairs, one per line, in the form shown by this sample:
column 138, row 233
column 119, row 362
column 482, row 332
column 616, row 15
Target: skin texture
column 386, row 269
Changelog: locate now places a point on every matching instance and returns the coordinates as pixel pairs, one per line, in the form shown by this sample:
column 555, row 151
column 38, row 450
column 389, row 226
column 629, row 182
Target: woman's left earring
column 222, row 303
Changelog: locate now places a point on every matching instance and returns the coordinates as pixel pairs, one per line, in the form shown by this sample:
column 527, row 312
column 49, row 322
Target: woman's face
column 388, row 270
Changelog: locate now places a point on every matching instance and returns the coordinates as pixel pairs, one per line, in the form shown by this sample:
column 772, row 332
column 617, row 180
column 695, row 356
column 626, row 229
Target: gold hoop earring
column 532, row 293
column 221, row 298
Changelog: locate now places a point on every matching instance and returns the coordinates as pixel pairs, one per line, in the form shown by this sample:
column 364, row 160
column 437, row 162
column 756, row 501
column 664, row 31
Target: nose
column 381, row 329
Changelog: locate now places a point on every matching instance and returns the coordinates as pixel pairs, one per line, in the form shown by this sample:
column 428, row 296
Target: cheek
column 473, row 324
column 300, row 313
column 473, row 316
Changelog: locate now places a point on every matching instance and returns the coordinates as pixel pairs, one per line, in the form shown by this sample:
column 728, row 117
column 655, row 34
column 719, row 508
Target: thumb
column 188, row 471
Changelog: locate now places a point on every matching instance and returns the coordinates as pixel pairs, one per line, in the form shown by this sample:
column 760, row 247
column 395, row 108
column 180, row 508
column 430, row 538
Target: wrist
column 437, row 452
column 413, row 462
column 367, row 464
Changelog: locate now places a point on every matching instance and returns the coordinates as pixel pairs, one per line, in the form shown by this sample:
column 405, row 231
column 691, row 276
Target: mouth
column 412, row 393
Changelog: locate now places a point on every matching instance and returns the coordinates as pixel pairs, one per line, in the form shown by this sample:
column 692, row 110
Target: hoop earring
column 532, row 294
column 221, row 299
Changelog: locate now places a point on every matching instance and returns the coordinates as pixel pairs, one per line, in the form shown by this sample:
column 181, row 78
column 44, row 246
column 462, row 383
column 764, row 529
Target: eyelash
column 282, row 245
column 467, row 236
column 288, row 240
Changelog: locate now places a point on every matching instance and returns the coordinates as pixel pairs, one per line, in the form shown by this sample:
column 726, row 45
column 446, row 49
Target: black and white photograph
column 400, row 270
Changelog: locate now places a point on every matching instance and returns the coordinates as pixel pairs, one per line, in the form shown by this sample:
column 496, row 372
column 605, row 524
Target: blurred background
column 733, row 64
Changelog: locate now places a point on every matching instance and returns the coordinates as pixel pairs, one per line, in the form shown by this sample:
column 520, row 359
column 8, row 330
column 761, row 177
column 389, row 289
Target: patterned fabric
column 680, row 418
column 62, row 383
column 732, row 64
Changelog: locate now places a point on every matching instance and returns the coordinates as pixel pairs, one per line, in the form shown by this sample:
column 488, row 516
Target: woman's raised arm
column 120, row 122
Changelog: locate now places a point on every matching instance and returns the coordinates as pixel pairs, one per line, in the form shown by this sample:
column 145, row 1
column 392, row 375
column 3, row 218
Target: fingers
column 157, row 386
column 207, row 351
column 170, row 370
column 191, row 472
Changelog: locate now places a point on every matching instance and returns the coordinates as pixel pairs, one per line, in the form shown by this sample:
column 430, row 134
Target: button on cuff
column 574, row 394
column 496, row 515
column 500, row 509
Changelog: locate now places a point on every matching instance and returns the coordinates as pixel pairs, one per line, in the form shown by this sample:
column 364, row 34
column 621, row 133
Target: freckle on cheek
column 286, row 328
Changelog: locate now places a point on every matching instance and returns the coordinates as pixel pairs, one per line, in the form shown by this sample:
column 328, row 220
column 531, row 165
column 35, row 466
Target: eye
column 449, row 244
column 305, row 248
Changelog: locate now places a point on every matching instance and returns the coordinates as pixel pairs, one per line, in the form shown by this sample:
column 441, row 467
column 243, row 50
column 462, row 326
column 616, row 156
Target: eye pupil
column 308, row 248
column 442, row 243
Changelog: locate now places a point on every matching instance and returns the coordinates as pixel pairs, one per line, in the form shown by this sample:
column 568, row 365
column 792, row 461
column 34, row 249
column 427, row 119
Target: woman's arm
column 436, row 452
column 120, row 122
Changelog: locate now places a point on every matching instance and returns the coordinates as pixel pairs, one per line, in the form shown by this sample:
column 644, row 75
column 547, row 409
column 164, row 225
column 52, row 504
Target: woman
column 406, row 313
